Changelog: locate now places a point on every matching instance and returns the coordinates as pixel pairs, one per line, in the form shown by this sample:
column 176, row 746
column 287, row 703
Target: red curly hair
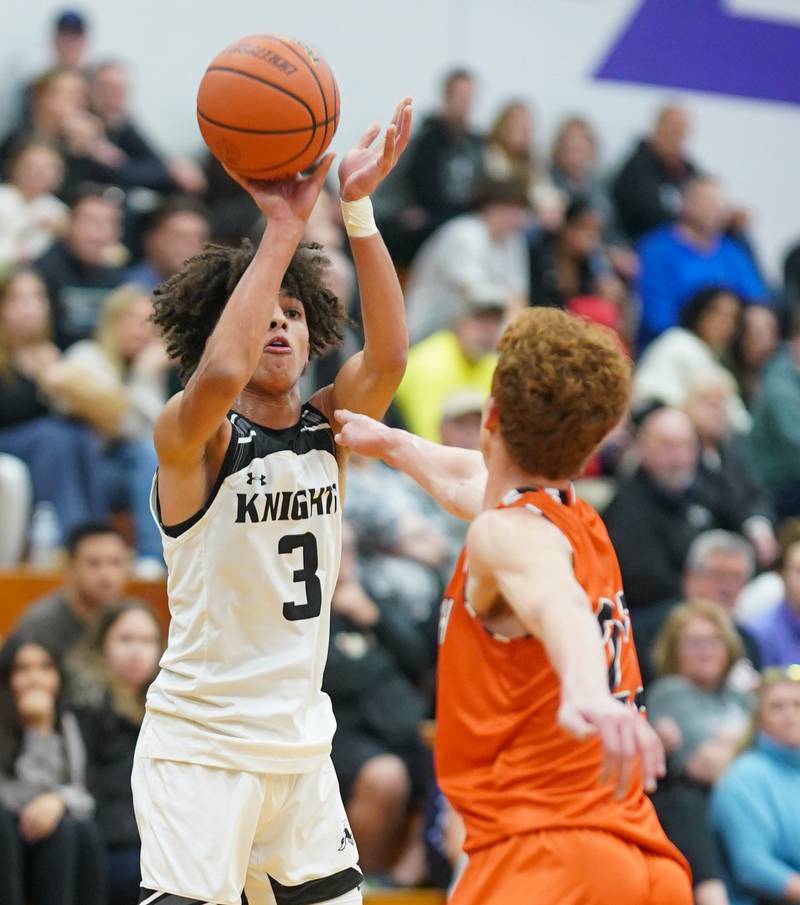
column 560, row 386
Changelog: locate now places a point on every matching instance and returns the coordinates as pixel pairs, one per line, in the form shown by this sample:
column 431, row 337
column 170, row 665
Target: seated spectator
column 725, row 478
column 77, row 269
column 54, row 856
column 680, row 258
column 701, row 721
column 571, row 262
column 232, row 212
column 135, row 162
column 775, row 438
column 96, row 573
column 377, row 656
column 659, row 510
column 648, row 187
column 753, row 348
column 176, row 231
column 719, row 565
column 462, row 415
column 62, row 456
column 754, row 806
column 701, row 344
column 574, row 172
column 16, row 494
column 483, row 249
column 127, row 361
column 31, row 217
column 456, row 359
column 118, row 665
column 778, row 631
column 511, row 154
column 443, row 165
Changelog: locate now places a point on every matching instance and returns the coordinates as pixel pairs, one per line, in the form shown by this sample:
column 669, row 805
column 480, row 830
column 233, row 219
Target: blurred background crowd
column 700, row 488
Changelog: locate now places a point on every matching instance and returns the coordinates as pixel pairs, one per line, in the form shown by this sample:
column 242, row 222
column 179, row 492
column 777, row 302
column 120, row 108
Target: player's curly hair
column 188, row 305
column 561, row 384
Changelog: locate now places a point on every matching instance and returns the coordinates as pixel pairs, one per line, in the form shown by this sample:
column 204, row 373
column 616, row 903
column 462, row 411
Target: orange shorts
column 571, row 867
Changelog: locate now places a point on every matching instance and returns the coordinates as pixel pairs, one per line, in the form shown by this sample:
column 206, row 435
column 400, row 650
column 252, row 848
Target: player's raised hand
column 366, row 165
column 625, row 735
column 361, row 434
column 289, row 200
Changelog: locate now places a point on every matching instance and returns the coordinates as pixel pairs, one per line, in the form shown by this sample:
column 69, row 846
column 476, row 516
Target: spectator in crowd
column 701, row 344
column 472, row 252
column 62, row 456
column 754, row 806
column 16, row 494
column 647, row 189
column 443, row 165
column 701, row 720
column 680, row 258
column 459, row 358
column 462, row 414
column 775, row 438
column 791, row 277
column 98, row 562
column 53, row 855
column 571, row 262
column 511, row 155
column 175, row 231
column 77, row 269
column 719, row 564
column 31, row 216
column 377, row 656
column 117, row 667
column 574, row 172
column 127, row 362
column 753, row 348
column 656, row 514
column 725, row 478
column 232, row 212
column 778, row 631
column 135, row 162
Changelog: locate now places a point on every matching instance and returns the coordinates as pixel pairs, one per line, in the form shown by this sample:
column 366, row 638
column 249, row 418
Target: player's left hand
column 364, row 167
column 625, row 735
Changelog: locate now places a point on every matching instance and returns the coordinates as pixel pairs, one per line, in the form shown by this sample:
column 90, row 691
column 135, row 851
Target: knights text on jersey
column 250, row 581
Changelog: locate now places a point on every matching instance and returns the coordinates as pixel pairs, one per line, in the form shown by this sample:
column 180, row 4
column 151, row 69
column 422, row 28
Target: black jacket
column 646, row 191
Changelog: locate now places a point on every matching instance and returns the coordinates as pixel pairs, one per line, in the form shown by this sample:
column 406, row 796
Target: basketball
column 268, row 106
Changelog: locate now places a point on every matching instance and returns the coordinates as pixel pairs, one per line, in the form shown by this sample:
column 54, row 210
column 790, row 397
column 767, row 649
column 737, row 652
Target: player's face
column 132, row 648
column 286, row 348
column 780, row 713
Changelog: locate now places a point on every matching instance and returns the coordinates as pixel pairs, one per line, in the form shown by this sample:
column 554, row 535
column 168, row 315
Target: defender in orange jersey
column 540, row 744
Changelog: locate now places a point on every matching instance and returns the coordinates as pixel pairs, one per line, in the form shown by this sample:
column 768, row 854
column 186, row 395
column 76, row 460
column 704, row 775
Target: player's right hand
column 288, row 201
column 625, row 735
column 361, row 434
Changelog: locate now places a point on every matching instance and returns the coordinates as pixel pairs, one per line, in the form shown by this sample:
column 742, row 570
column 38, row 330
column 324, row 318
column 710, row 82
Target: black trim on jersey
column 564, row 495
column 250, row 440
column 167, row 898
column 314, row 891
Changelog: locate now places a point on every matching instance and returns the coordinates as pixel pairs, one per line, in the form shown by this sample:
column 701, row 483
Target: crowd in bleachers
column 700, row 488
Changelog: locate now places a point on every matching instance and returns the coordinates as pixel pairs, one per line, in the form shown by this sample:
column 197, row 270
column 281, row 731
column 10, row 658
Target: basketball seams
column 220, row 125
column 258, row 78
column 300, row 56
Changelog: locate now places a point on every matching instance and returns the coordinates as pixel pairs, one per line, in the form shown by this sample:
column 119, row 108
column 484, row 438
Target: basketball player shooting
column 540, row 745
column 233, row 785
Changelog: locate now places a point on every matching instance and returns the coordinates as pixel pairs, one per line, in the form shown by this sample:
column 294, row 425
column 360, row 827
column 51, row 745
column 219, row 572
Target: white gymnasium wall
column 544, row 50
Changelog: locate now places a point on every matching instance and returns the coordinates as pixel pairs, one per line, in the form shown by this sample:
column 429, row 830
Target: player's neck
column 504, row 476
column 277, row 412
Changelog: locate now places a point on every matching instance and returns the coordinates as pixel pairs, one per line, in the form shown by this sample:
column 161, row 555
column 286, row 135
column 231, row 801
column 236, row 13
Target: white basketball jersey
column 250, row 582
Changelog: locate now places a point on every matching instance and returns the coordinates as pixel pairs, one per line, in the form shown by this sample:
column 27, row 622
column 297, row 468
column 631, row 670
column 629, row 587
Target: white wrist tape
column 359, row 220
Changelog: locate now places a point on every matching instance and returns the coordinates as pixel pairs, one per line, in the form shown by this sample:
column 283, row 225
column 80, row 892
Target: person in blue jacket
column 756, row 805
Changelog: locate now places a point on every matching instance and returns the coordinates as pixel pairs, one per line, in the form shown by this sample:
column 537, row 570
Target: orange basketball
column 268, row 106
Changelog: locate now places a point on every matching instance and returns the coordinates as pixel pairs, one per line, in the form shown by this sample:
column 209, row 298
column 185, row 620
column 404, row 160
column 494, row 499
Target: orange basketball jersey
column 502, row 759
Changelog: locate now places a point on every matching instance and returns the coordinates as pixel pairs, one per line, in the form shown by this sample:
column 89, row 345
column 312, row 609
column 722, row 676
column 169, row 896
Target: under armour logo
column 347, row 839
column 251, row 478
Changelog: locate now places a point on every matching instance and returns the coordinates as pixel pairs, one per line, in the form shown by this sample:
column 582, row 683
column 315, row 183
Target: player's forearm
column 382, row 310
column 236, row 343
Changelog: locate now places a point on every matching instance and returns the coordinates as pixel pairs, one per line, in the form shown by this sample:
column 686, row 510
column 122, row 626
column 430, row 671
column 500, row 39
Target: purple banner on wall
column 701, row 46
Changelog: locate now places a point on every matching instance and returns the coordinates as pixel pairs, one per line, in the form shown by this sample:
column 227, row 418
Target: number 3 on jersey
column 307, row 575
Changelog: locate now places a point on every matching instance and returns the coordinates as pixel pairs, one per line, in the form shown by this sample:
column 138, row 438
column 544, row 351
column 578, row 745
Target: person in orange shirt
column 540, row 745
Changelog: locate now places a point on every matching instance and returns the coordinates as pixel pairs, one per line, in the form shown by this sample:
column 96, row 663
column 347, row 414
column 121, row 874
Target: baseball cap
column 462, row 402
column 70, row 20
column 484, row 297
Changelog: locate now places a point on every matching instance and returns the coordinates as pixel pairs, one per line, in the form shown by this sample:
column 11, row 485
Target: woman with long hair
column 51, row 851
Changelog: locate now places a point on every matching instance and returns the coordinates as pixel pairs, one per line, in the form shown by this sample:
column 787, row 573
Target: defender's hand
column 361, row 434
column 289, row 200
column 364, row 167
